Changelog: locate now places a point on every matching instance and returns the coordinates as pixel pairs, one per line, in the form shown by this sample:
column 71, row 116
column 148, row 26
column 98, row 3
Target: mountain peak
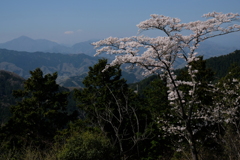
column 24, row 43
column 23, row 37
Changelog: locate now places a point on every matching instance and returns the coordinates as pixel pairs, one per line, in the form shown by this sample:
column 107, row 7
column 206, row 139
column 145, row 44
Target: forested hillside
column 11, row 81
column 111, row 117
column 8, row 82
column 221, row 64
column 67, row 65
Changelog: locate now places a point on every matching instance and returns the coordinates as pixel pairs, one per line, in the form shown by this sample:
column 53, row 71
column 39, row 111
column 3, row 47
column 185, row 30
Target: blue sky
column 73, row 21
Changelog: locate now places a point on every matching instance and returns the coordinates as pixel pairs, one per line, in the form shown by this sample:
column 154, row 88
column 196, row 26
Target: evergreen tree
column 155, row 96
column 111, row 106
column 40, row 112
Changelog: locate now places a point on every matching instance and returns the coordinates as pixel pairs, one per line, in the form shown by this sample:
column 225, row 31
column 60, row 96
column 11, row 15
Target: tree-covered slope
column 66, row 65
column 221, row 64
column 8, row 82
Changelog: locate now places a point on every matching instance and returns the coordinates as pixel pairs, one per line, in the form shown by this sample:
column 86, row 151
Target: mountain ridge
column 24, row 43
column 66, row 65
column 21, row 62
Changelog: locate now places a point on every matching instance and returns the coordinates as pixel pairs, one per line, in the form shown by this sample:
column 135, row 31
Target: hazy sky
column 73, row 21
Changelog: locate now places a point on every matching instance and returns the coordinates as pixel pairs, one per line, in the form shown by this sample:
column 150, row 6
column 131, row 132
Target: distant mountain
column 211, row 49
column 84, row 47
column 27, row 44
column 23, row 43
column 81, row 47
column 65, row 64
column 230, row 40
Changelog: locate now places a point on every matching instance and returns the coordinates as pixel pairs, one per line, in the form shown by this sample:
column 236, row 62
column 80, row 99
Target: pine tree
column 40, row 112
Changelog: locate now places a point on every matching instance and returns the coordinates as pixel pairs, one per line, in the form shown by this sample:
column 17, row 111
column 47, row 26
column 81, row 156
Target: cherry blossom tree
column 159, row 56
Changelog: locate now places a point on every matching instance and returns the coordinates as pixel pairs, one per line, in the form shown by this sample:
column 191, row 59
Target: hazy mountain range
column 23, row 54
column 27, row 44
column 66, row 65
column 23, row 43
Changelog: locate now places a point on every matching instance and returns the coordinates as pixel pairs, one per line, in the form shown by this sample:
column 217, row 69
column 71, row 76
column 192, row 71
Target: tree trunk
column 191, row 141
column 193, row 151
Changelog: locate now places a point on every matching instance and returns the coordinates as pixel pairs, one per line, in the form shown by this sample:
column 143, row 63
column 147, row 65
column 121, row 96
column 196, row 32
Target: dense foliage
column 100, row 133
column 8, row 82
column 110, row 105
column 39, row 114
column 189, row 114
column 221, row 64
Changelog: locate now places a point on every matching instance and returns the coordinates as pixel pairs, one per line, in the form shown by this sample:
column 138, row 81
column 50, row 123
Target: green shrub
column 87, row 146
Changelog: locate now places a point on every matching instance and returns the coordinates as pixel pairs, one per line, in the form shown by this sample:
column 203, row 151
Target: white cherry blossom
column 159, row 56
